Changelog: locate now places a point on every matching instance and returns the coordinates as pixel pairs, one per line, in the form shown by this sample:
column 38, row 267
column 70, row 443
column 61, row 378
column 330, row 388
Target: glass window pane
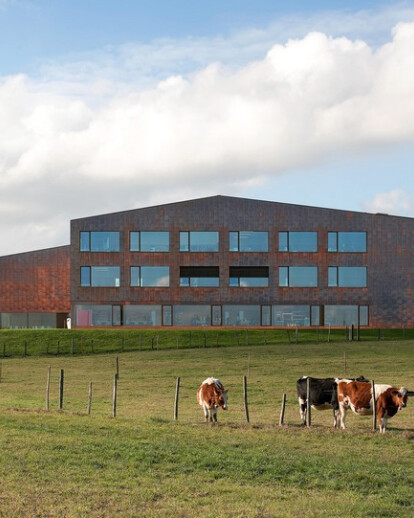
column 183, row 241
column 303, row 276
column 254, row 282
column 352, row 241
column 116, row 315
column 142, row 315
column 253, row 241
column 155, row 276
column 291, row 315
column 315, row 316
column 155, row 241
column 105, row 276
column 234, row 281
column 85, row 276
column 283, row 241
column 204, row 241
column 266, row 316
column 283, row 276
column 341, row 315
column 216, row 321
column 134, row 275
column 303, row 242
column 192, row 315
column 84, row 241
column 167, row 316
column 332, row 242
column 363, row 315
column 202, row 282
column 134, row 241
column 104, row 241
column 241, row 315
column 233, row 241
column 352, row 276
column 332, row 276
column 89, row 315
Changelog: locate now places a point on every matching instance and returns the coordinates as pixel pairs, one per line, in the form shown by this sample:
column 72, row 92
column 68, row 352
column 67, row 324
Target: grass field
column 143, row 463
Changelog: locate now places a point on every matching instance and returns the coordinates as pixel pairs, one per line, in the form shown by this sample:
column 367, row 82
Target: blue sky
column 111, row 105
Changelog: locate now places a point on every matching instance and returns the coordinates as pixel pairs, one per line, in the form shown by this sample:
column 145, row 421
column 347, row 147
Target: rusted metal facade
column 36, row 283
column 389, row 290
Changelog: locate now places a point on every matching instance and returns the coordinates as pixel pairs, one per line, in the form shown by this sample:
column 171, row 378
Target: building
column 225, row 261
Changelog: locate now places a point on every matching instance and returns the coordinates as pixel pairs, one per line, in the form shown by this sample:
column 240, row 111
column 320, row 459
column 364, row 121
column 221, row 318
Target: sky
column 110, row 105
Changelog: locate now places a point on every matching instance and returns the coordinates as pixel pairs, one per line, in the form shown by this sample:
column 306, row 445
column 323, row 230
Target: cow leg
column 382, row 421
column 302, row 410
column 336, row 415
column 342, row 414
column 205, row 410
column 215, row 415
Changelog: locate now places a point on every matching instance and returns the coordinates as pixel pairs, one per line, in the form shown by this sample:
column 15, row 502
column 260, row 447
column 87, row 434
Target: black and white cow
column 323, row 395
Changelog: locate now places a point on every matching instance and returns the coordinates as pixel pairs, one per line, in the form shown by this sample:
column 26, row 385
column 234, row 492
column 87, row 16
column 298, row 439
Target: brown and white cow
column 357, row 396
column 211, row 395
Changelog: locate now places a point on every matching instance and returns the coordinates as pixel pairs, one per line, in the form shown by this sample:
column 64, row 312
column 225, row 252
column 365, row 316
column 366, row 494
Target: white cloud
column 396, row 201
column 73, row 146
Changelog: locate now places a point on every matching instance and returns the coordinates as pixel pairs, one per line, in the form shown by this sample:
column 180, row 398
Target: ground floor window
column 248, row 315
column 32, row 320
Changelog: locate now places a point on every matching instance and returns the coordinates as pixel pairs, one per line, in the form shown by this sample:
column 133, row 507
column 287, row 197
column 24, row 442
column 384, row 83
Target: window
column 144, row 241
column 97, row 315
column 292, row 315
column 99, row 241
column 347, row 276
column 298, row 242
column 150, row 276
column 100, row 276
column 347, row 241
column 298, row 276
column 241, row 315
column 341, row 315
column 245, row 241
column 249, row 276
column 199, row 241
column 192, row 315
column 199, row 276
column 142, row 315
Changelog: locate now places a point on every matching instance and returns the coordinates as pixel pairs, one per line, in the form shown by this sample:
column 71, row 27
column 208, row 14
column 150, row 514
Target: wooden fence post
column 114, row 395
column 177, row 391
column 246, row 407
column 89, row 399
column 117, row 366
column 308, row 403
column 48, row 388
column 374, row 407
column 282, row 412
column 61, row 383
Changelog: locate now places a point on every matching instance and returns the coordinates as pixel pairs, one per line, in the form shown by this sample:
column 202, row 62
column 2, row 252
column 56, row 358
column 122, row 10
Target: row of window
column 159, row 276
column 239, row 241
column 217, row 315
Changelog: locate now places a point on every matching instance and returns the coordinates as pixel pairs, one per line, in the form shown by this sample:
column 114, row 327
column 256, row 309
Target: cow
column 358, row 397
column 323, row 395
column 211, row 395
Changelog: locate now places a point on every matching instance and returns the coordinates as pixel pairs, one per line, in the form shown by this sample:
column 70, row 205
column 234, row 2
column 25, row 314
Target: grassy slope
column 144, row 464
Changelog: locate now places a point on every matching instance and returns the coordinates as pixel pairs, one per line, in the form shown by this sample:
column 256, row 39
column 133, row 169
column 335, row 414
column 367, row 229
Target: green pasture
column 143, row 463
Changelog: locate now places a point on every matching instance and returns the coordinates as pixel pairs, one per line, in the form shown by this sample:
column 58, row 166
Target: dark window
column 249, row 276
column 298, row 276
column 199, row 241
column 347, row 241
column 298, row 242
column 248, row 241
column 199, row 276
column 99, row 242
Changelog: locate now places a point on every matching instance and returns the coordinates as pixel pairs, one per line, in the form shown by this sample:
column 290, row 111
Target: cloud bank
column 72, row 147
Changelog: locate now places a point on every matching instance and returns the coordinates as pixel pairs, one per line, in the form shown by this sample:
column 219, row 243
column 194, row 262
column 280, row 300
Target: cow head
column 221, row 400
column 400, row 397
